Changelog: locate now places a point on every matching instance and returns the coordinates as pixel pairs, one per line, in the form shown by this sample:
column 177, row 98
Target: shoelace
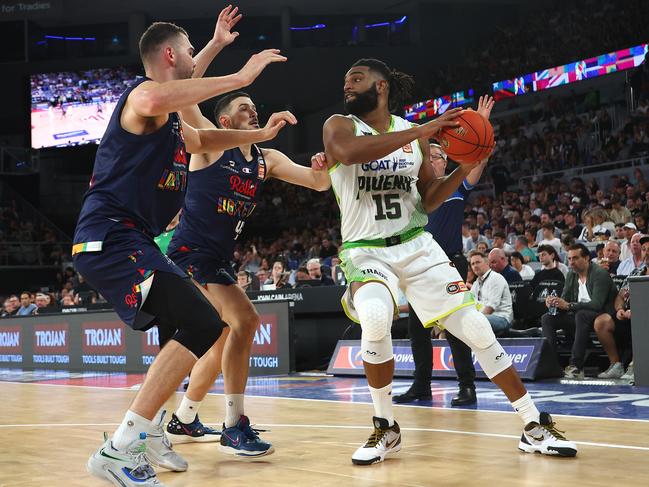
column 160, row 432
column 375, row 438
column 142, row 465
column 252, row 433
column 554, row 432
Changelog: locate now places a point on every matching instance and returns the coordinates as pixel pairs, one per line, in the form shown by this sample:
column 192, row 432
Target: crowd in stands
column 577, row 130
column 95, row 85
column 24, row 241
column 69, row 289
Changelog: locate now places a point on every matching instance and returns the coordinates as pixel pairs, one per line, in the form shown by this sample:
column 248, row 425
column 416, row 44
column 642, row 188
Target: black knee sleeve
column 183, row 313
column 202, row 329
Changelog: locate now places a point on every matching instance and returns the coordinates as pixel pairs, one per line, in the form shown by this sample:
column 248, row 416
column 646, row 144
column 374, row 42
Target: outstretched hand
column 485, row 104
column 228, row 18
column 319, row 162
column 276, row 122
column 258, row 62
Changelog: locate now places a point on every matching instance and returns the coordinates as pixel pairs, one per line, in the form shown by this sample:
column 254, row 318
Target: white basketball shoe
column 124, row 468
column 384, row 441
column 543, row 437
column 159, row 451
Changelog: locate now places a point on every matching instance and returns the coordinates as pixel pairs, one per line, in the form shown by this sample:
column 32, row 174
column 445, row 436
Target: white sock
column 526, row 409
column 382, row 400
column 187, row 410
column 130, row 429
column 233, row 409
column 157, row 419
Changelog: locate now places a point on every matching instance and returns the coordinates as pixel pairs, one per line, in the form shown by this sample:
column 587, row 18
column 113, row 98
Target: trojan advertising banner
column 524, row 353
column 103, row 343
column 150, row 345
column 11, row 345
column 270, row 350
column 98, row 341
column 51, row 344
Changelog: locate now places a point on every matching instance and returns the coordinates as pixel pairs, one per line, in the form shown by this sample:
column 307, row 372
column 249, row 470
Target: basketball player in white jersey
column 385, row 193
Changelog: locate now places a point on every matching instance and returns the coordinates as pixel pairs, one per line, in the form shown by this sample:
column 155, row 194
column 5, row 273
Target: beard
column 363, row 102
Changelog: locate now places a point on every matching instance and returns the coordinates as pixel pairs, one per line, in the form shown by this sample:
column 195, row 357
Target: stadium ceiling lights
column 367, row 26
column 385, row 24
column 310, row 27
column 65, row 38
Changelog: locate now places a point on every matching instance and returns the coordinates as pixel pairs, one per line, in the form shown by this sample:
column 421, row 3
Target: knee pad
column 197, row 323
column 182, row 313
column 473, row 328
column 377, row 352
column 201, row 329
column 493, row 359
column 470, row 326
column 374, row 305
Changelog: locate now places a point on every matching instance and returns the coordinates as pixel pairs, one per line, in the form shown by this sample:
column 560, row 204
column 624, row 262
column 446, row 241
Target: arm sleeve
column 464, row 189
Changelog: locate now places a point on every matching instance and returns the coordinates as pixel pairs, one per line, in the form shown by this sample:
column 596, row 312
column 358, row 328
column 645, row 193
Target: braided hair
column 401, row 84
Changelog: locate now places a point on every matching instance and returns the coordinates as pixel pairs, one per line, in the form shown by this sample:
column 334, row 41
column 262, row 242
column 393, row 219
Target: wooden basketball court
column 47, row 433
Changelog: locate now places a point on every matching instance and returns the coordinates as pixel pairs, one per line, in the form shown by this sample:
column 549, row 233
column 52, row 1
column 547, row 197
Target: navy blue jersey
column 139, row 180
column 445, row 223
column 219, row 200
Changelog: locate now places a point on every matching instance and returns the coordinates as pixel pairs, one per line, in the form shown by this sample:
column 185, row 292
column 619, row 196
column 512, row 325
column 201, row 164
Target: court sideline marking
column 439, row 408
column 333, row 426
column 355, row 477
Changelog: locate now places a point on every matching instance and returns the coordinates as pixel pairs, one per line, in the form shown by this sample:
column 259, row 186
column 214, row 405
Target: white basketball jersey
column 379, row 199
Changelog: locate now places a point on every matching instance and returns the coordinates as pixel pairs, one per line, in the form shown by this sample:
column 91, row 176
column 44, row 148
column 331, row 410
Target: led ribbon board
column 436, row 106
column 593, row 67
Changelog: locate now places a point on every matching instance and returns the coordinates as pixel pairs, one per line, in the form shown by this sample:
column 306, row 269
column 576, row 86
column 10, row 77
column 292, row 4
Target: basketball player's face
column 360, row 92
column 184, row 57
column 242, row 114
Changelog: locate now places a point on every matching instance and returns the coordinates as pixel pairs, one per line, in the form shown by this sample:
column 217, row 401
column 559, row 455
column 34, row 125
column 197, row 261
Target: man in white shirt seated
column 492, row 293
column 524, row 270
column 635, row 260
column 549, row 237
column 629, row 231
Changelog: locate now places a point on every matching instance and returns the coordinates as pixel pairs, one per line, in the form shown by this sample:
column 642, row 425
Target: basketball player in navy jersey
column 138, row 185
column 223, row 190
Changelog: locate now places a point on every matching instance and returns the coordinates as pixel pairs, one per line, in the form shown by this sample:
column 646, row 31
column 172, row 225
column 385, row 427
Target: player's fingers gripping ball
column 471, row 141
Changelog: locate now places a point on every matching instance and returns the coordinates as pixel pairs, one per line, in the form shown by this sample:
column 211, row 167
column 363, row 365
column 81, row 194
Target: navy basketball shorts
column 127, row 259
column 204, row 268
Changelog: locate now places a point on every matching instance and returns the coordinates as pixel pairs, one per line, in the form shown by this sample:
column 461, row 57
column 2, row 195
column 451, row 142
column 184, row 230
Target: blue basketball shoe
column 242, row 440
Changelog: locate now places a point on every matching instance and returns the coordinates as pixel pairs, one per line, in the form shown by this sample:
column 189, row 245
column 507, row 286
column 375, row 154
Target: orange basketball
column 471, row 142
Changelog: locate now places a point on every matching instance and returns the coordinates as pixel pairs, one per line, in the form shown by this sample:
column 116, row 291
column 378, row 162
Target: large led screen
column 73, row 108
